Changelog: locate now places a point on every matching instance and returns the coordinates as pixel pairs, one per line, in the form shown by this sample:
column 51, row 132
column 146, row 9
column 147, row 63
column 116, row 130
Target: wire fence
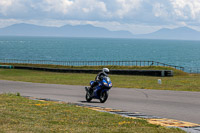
column 92, row 63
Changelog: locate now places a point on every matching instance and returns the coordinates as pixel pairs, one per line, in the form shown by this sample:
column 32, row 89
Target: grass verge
column 180, row 83
column 19, row 114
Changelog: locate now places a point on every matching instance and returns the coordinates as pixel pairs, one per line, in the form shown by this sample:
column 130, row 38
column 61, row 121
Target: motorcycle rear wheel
column 103, row 96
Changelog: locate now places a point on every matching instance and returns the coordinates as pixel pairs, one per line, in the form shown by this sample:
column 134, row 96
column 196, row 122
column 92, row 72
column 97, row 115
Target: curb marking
column 149, row 118
column 187, row 126
column 172, row 123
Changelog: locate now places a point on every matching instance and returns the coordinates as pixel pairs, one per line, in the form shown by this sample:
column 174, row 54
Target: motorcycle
column 100, row 91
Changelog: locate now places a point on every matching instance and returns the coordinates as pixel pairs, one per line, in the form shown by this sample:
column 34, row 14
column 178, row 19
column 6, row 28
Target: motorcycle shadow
column 90, row 102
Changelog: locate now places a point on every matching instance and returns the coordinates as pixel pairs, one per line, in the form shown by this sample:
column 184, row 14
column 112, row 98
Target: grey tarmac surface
column 179, row 105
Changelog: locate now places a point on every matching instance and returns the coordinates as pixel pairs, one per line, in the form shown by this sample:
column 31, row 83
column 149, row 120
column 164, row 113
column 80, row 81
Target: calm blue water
column 182, row 53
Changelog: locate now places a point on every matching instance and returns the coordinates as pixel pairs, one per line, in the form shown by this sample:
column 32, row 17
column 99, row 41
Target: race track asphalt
column 177, row 105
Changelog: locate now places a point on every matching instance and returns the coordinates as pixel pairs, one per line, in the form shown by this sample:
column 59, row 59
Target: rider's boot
column 90, row 89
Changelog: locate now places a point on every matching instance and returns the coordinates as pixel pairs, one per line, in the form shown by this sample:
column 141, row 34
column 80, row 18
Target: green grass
column 19, row 114
column 180, row 83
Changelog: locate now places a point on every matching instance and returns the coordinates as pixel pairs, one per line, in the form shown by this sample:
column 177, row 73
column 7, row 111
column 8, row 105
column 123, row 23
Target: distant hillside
column 182, row 33
column 64, row 31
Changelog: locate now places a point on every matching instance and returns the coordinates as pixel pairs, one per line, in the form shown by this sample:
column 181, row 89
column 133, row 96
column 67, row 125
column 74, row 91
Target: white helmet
column 106, row 70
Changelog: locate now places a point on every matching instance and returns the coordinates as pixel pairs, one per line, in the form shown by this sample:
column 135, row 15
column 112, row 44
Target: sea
column 174, row 52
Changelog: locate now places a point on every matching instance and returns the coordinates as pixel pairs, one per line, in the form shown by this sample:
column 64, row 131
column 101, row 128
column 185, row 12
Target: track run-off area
column 169, row 105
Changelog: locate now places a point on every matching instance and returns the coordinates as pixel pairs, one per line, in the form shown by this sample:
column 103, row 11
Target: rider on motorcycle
column 99, row 77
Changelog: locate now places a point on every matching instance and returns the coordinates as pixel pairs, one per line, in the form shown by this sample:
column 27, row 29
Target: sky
column 136, row 16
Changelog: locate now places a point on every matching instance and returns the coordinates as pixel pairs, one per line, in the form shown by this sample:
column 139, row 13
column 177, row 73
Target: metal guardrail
column 160, row 73
column 192, row 69
column 6, row 66
column 91, row 63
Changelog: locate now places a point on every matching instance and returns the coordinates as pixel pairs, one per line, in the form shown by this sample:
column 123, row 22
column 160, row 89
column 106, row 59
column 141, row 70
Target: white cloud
column 90, row 8
column 5, row 3
column 113, row 14
column 14, row 8
column 159, row 10
column 123, row 10
column 186, row 9
column 128, row 7
column 4, row 6
column 77, row 9
column 60, row 6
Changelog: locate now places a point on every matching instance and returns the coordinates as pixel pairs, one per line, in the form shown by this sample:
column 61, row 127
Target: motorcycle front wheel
column 88, row 97
column 103, row 96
